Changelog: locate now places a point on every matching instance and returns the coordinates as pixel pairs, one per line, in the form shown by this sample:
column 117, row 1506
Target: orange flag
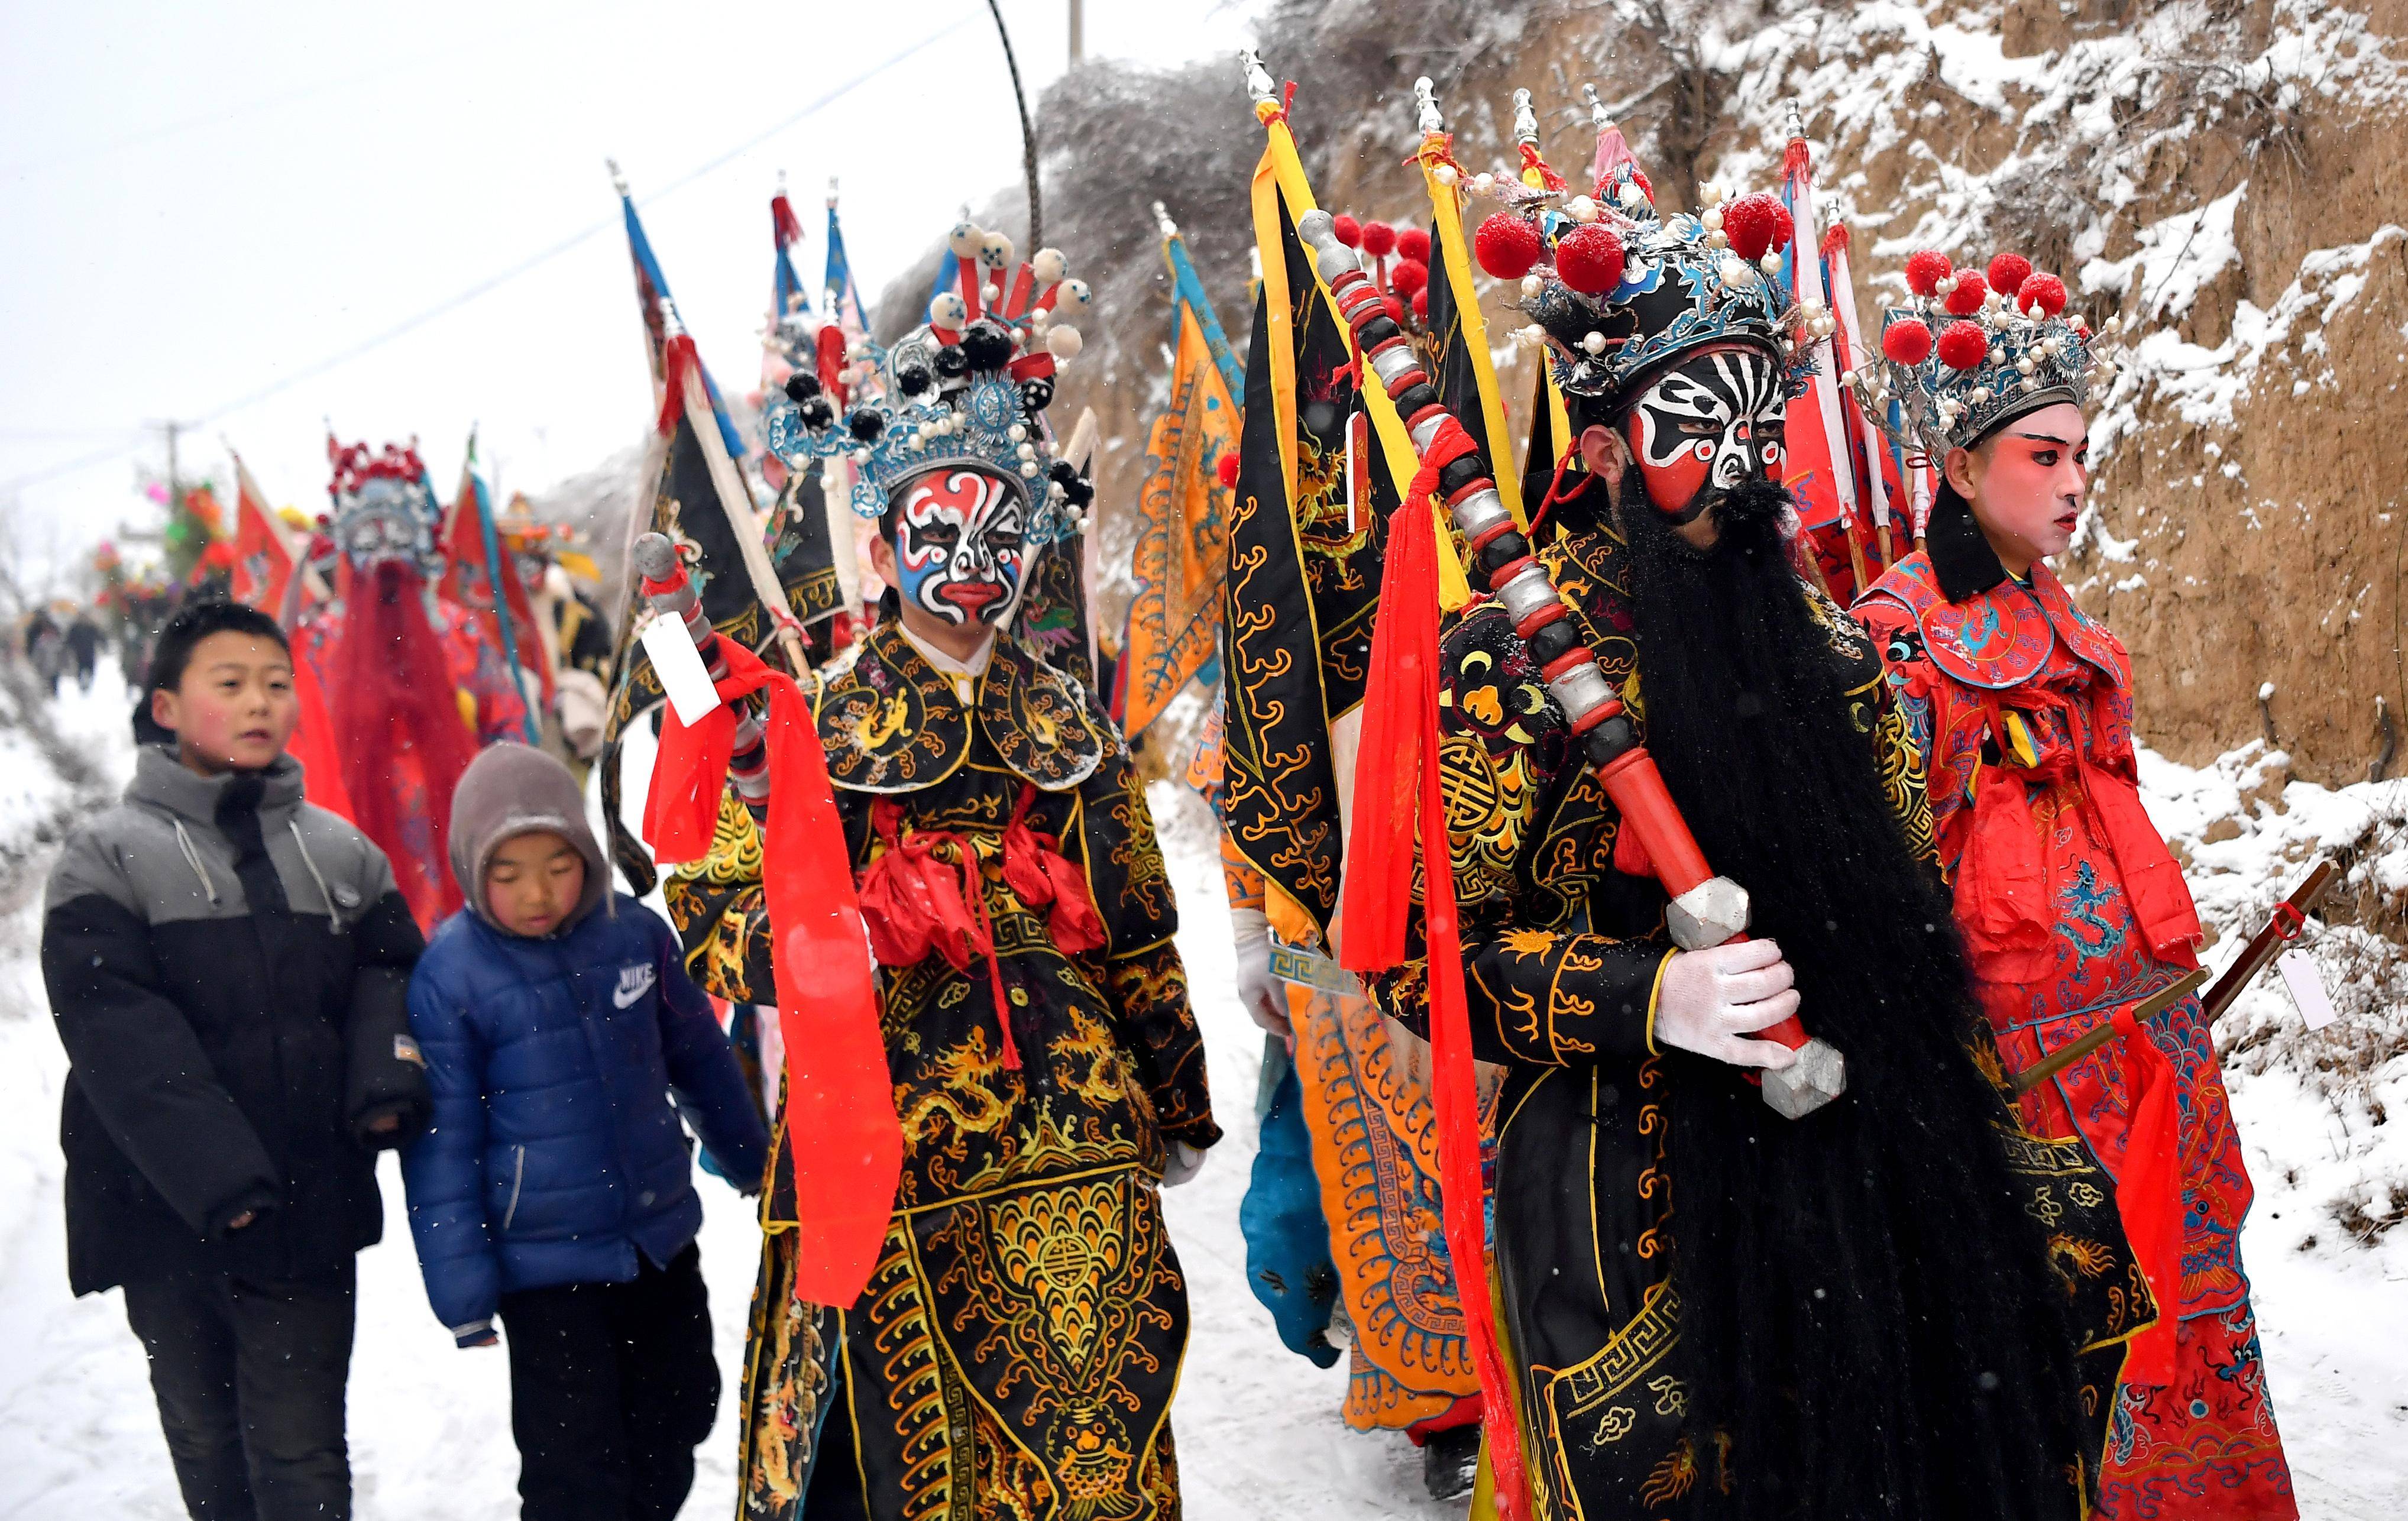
column 1181, row 561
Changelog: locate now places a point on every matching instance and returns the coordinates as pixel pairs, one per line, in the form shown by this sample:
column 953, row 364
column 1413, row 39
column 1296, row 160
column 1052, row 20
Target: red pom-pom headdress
column 1616, row 292
column 1970, row 351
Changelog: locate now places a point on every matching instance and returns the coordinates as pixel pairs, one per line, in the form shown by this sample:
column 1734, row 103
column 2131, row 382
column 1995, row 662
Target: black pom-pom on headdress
column 987, row 345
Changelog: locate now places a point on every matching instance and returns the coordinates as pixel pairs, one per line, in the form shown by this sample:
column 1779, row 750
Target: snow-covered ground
column 1258, row 1427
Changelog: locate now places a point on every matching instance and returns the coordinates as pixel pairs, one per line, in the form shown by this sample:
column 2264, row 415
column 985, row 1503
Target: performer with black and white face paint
column 1714, row 1309
column 1711, row 422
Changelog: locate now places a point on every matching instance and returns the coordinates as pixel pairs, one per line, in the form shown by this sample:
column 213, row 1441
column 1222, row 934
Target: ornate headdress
column 383, row 508
column 1618, row 293
column 1963, row 357
column 969, row 388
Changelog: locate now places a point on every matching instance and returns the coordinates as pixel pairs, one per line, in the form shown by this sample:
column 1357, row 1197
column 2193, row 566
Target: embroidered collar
column 893, row 722
column 2001, row 636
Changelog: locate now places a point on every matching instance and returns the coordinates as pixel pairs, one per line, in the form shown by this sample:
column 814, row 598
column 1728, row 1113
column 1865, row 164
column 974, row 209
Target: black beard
column 1870, row 1316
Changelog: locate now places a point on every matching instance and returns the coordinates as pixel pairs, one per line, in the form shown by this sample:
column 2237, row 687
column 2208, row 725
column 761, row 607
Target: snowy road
column 1259, row 1429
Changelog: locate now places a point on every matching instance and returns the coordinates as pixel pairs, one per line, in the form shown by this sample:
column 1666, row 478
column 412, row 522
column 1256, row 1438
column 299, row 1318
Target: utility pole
column 175, row 492
column 1077, row 31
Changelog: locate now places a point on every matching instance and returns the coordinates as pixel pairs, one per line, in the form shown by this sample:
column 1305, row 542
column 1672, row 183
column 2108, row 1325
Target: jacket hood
column 512, row 790
column 162, row 781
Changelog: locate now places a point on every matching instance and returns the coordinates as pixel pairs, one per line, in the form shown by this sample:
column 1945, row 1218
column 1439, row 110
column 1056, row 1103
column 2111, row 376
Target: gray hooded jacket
column 228, row 965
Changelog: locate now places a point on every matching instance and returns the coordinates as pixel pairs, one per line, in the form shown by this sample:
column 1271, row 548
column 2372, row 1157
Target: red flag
column 313, row 745
column 1399, row 798
column 468, row 581
column 1824, row 464
column 262, row 559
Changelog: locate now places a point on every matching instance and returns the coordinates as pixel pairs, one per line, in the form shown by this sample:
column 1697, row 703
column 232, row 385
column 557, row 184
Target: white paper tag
column 680, row 668
column 2299, row 971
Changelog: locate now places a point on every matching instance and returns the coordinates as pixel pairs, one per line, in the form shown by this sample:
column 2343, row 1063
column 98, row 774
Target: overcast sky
column 198, row 203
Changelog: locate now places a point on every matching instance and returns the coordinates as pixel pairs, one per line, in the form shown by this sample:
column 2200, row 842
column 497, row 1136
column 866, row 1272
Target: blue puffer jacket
column 555, row 1156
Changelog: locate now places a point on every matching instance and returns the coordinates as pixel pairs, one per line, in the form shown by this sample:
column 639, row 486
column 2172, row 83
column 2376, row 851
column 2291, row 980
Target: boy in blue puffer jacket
column 555, row 1188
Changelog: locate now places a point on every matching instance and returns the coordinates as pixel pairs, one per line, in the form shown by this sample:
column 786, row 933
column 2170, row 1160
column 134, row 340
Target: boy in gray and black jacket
column 229, row 966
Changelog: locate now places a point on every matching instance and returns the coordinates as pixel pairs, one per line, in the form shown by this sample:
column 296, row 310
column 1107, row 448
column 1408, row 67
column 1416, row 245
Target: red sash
column 840, row 1122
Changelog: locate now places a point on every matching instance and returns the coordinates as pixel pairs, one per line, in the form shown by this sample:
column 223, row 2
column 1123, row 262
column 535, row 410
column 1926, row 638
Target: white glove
column 1711, row 1001
column 1180, row 1163
column 1263, row 995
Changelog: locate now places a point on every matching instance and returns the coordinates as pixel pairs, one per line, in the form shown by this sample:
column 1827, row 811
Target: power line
column 23, row 167
column 534, row 261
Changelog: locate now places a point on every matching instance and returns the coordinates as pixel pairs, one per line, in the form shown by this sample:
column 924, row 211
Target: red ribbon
column 829, row 356
column 840, row 1122
column 1548, row 178
column 1040, row 875
column 2149, row 1194
column 1397, row 775
column 915, row 903
column 678, row 356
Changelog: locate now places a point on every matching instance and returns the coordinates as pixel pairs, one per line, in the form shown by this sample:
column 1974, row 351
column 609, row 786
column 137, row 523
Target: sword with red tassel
column 1706, row 910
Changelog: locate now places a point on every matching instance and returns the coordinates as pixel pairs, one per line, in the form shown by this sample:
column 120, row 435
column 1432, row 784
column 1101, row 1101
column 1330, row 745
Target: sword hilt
column 672, row 592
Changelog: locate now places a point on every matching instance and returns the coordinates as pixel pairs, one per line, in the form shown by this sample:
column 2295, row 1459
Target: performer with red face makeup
column 1710, row 1308
column 1022, row 1331
column 2070, row 907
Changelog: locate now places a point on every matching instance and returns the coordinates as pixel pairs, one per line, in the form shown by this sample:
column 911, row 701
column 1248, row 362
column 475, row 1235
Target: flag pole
column 1027, row 131
column 527, row 721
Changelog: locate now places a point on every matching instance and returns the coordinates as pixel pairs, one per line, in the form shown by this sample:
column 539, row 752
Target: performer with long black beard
column 1898, row 1304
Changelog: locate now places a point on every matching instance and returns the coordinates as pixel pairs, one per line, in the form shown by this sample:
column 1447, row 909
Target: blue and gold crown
column 967, row 389
column 1973, row 351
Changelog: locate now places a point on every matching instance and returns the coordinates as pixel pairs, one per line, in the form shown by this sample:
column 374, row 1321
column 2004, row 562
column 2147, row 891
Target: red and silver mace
column 1705, row 910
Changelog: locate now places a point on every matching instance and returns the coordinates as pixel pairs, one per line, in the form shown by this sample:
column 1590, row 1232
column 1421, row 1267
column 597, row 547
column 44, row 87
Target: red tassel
column 2148, row 1195
column 831, row 358
column 1377, row 890
column 782, row 223
column 678, row 356
column 1400, row 768
column 1793, row 159
column 846, row 1141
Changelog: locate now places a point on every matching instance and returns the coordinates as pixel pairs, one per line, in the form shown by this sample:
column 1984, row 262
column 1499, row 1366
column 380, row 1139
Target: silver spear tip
column 1598, row 117
column 1259, row 84
column 1526, row 119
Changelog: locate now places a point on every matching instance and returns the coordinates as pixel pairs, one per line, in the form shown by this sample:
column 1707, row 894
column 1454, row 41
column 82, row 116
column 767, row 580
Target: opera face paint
column 2028, row 496
column 959, row 546
column 1706, row 426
